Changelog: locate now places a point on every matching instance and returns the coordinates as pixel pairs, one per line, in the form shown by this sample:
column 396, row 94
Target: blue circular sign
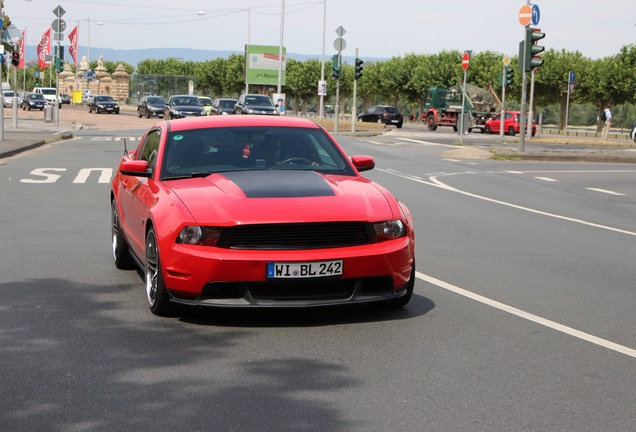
column 536, row 14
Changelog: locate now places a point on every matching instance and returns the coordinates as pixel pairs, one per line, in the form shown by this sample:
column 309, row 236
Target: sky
column 377, row 28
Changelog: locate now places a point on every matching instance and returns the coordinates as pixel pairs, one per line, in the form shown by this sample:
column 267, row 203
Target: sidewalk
column 30, row 133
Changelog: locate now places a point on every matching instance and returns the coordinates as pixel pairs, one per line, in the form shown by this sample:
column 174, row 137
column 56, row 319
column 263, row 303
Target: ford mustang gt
column 257, row 211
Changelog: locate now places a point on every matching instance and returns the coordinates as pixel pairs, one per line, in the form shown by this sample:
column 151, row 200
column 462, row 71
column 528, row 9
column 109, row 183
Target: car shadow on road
column 304, row 317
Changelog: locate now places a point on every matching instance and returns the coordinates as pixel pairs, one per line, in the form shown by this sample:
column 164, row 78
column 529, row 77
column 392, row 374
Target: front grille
column 297, row 236
column 308, row 290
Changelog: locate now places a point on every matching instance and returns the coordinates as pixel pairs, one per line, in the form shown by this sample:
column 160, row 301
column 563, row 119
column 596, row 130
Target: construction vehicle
column 443, row 107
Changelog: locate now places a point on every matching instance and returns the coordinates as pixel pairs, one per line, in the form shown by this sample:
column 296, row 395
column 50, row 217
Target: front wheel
column 511, row 131
column 156, row 292
column 402, row 301
column 430, row 122
column 487, row 130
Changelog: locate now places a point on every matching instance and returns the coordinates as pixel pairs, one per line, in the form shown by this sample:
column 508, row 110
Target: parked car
column 212, row 231
column 206, row 103
column 9, row 95
column 181, row 106
column 103, row 104
column 511, row 124
column 386, row 114
column 65, row 98
column 223, row 106
column 50, row 94
column 255, row 104
column 151, row 106
column 33, row 101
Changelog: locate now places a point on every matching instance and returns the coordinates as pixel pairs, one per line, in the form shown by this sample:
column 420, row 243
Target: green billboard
column 261, row 64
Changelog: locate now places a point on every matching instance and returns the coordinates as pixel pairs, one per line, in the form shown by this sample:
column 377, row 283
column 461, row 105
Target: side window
column 150, row 148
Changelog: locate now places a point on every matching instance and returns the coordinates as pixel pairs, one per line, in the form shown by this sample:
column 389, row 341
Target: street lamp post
column 280, row 48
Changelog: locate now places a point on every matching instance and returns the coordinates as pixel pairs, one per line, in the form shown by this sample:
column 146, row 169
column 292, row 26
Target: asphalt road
column 522, row 317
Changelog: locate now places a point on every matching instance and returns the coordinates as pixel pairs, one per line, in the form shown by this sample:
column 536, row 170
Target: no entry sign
column 465, row 61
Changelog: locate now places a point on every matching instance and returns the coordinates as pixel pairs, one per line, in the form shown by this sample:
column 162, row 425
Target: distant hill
column 134, row 56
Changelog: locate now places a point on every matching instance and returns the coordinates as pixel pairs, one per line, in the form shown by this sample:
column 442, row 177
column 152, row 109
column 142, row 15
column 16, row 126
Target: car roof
column 238, row 121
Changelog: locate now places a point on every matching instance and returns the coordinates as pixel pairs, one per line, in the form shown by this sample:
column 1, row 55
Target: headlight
column 249, row 110
column 198, row 235
column 389, row 230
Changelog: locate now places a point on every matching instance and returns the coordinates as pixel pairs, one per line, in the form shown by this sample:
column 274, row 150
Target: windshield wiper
column 189, row 175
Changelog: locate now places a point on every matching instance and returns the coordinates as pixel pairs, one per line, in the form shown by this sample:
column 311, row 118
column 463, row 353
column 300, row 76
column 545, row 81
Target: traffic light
column 15, row 58
column 359, row 68
column 508, row 75
column 59, row 65
column 335, row 67
column 37, row 82
column 533, row 35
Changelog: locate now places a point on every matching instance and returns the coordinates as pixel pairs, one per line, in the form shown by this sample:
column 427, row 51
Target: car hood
column 260, row 107
column 283, row 196
column 187, row 108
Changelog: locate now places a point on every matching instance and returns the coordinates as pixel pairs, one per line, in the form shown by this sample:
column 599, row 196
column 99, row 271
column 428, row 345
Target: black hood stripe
column 280, row 184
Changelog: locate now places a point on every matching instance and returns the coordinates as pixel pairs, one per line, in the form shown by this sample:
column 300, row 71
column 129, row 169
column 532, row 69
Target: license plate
column 304, row 270
column 109, row 109
column 394, row 121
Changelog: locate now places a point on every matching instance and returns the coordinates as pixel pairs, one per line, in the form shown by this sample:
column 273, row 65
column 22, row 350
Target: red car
column 511, row 124
column 249, row 211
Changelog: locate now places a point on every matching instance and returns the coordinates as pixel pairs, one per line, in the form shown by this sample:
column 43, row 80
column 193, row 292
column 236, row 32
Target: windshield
column 205, row 102
column 156, row 100
column 186, row 101
column 50, row 92
column 227, row 103
column 104, row 99
column 258, row 100
column 202, row 152
column 37, row 96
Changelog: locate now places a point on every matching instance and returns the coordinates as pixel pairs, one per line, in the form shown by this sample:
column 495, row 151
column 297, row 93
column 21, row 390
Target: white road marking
column 426, row 142
column 434, row 181
column 528, row 316
column 548, row 179
column 606, row 191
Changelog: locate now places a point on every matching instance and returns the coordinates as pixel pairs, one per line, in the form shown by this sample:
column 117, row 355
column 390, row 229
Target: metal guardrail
column 582, row 133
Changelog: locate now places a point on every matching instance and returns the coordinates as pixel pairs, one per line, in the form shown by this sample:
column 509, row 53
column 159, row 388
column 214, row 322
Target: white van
column 49, row 93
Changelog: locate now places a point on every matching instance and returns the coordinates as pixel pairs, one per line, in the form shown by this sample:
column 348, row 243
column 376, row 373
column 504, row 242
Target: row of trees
column 402, row 81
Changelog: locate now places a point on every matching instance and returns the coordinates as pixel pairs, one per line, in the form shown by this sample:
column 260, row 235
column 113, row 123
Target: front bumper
column 237, row 278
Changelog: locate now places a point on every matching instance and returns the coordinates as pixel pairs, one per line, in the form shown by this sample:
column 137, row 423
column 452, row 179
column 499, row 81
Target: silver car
column 9, row 95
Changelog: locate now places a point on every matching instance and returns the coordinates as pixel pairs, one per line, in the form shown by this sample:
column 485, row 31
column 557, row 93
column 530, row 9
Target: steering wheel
column 296, row 161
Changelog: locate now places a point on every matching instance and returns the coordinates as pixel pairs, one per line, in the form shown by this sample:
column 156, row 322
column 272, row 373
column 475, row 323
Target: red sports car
column 257, row 211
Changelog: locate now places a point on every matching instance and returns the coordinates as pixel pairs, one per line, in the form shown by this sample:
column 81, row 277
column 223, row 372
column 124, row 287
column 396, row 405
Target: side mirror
column 363, row 163
column 135, row 168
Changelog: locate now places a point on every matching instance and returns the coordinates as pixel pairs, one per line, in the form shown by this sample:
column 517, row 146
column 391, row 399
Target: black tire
column 147, row 114
column 402, row 301
column 121, row 252
column 487, row 130
column 156, row 292
column 399, row 125
column 430, row 122
column 455, row 128
column 511, row 131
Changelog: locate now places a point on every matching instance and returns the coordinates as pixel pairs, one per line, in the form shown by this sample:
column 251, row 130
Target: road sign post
column 339, row 44
column 465, row 63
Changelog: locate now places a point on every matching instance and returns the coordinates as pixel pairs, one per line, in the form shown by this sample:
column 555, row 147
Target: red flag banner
column 73, row 37
column 44, row 48
column 21, row 46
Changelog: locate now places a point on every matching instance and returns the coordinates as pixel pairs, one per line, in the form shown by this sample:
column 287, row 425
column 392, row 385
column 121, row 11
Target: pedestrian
column 608, row 122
